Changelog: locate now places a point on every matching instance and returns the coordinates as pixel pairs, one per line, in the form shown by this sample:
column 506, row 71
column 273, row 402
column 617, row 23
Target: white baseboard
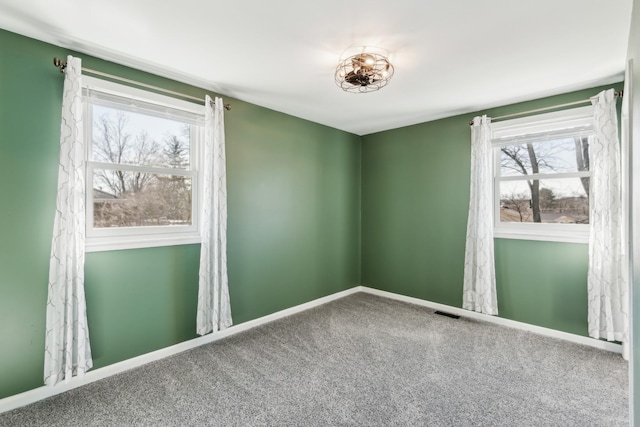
column 578, row 339
column 40, row 393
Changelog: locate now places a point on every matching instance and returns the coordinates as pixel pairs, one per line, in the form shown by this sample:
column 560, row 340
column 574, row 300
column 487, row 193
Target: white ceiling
column 450, row 56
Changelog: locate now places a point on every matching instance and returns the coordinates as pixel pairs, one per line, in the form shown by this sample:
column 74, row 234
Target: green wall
column 293, row 230
column 415, row 198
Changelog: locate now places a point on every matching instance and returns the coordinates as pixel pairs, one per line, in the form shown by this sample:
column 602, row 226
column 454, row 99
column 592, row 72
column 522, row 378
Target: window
column 142, row 152
column 542, row 176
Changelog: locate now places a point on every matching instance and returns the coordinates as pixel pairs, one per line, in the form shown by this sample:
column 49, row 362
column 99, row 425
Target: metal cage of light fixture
column 363, row 72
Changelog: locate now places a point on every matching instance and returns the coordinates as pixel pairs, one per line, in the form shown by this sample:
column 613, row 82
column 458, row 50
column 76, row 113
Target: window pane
column 125, row 137
column 551, row 156
column 135, row 199
column 560, row 201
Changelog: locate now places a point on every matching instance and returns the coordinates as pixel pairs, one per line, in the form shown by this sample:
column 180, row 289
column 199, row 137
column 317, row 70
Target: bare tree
column 136, row 198
column 527, row 159
column 112, row 143
column 521, row 160
column 534, row 184
column 518, row 203
column 582, row 160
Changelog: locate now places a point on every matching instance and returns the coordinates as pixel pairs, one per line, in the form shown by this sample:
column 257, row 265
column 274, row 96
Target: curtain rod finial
column 226, row 106
column 59, row 64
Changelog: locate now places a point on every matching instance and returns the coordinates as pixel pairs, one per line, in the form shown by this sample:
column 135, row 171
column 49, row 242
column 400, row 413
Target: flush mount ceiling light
column 366, row 71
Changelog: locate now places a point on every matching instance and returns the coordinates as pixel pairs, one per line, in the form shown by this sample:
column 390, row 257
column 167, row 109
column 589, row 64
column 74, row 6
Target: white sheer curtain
column 607, row 277
column 479, row 290
column 214, row 309
column 67, row 349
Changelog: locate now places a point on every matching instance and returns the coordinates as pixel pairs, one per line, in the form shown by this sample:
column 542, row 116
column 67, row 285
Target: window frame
column 118, row 238
column 501, row 132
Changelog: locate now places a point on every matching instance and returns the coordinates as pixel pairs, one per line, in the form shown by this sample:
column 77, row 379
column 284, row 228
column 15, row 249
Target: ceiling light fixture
column 364, row 72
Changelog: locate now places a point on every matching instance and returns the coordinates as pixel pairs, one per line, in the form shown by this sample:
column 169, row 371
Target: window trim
column 107, row 239
column 505, row 133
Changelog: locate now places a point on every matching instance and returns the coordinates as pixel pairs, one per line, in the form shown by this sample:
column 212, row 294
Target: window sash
column 578, row 119
column 557, row 125
column 541, row 176
column 147, row 103
column 548, row 135
column 93, row 231
column 144, row 169
column 115, row 95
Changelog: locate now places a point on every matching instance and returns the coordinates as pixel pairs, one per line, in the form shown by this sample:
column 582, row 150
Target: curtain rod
column 537, row 110
column 63, row 64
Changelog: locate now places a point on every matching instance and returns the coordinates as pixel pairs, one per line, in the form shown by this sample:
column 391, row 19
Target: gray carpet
column 361, row 360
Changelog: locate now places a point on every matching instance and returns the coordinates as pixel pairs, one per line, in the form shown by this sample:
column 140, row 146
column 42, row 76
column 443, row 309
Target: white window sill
column 114, row 243
column 544, row 233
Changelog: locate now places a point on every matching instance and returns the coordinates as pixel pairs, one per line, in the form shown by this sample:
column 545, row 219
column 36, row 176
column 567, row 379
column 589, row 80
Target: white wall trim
column 578, row 339
column 40, row 393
